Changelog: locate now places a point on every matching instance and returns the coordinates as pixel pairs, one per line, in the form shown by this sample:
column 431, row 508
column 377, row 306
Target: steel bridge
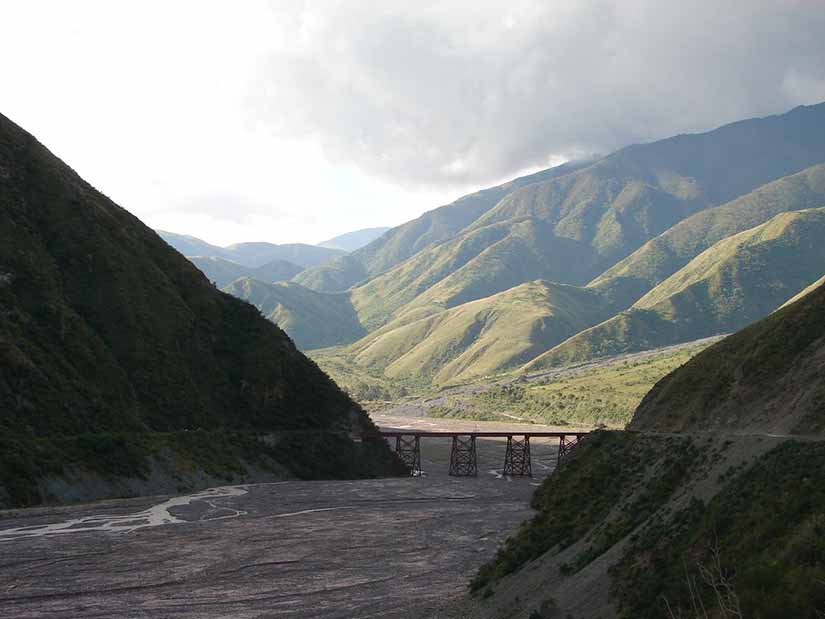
column 463, row 457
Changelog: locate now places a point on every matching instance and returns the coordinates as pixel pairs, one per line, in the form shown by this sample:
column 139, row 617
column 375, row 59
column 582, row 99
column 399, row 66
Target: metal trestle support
column 566, row 445
column 463, row 457
column 517, row 462
column 408, row 449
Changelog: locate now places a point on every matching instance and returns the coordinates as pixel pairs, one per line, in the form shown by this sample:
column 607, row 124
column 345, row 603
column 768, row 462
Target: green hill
column 482, row 337
column 312, row 319
column 472, row 266
column 737, row 281
column 662, row 256
column 433, row 227
column 768, row 377
column 223, row 272
column 337, row 275
column 112, row 345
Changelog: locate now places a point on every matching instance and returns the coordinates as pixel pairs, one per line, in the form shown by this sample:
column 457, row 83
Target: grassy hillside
column 105, row 330
column 312, row 319
column 222, row 272
column 768, row 377
column 431, row 228
column 473, row 266
column 337, row 275
column 253, row 254
column 571, row 228
column 737, row 281
column 605, row 393
column 482, row 337
column 662, row 256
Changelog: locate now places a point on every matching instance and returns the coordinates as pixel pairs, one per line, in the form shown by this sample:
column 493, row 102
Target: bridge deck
column 481, row 434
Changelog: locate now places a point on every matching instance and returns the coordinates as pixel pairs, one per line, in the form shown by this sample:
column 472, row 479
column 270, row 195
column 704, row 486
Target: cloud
column 440, row 94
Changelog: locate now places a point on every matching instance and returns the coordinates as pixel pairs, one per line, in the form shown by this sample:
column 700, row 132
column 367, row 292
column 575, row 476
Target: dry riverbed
column 372, row 548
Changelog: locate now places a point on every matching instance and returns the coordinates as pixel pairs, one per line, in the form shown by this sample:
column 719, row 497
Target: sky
column 296, row 121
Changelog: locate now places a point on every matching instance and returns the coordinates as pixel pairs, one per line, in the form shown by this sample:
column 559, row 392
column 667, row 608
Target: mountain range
column 654, row 244
column 252, row 255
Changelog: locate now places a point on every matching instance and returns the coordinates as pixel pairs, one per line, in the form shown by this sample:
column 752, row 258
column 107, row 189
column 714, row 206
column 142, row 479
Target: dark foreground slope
column 646, row 524
column 107, row 332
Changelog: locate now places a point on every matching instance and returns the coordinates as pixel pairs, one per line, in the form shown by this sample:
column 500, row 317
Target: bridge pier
column 517, row 461
column 463, row 461
column 408, row 450
column 566, row 445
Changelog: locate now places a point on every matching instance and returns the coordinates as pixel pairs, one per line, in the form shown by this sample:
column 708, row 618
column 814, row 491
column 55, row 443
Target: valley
column 190, row 430
column 602, row 392
column 650, row 246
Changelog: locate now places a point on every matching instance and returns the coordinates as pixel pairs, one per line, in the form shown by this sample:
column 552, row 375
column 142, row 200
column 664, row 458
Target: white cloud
column 464, row 92
column 296, row 121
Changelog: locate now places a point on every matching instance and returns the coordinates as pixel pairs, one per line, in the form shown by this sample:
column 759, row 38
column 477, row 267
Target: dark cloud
column 452, row 93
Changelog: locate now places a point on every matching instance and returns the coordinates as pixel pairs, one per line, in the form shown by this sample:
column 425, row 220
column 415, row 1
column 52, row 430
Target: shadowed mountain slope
column 223, row 272
column 737, row 281
column 312, row 319
column 106, row 329
column 769, row 377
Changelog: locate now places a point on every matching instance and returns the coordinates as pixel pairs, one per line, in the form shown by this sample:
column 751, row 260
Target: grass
column 737, row 281
column 766, row 528
column 660, row 258
column 605, row 395
column 759, row 543
column 758, row 370
column 482, row 337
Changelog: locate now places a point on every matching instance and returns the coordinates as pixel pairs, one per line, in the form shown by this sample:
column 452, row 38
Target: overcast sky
column 296, row 121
